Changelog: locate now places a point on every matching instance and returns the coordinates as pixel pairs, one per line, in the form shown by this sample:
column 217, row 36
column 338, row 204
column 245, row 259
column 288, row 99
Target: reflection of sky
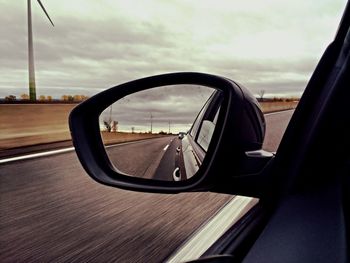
column 176, row 105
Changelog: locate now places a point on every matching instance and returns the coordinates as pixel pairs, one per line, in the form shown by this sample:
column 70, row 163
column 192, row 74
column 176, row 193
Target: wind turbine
column 32, row 91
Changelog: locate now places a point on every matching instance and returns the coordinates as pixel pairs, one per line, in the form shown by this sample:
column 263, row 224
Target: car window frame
column 212, row 109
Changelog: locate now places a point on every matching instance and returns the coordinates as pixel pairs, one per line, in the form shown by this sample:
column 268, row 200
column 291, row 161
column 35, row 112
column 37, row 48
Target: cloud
column 94, row 46
column 177, row 104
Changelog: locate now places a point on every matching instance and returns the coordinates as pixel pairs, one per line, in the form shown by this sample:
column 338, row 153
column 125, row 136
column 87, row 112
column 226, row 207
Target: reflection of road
column 140, row 158
column 150, row 158
column 167, row 164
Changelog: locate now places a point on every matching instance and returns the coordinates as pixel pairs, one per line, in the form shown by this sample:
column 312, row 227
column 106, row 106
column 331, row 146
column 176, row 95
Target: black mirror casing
column 240, row 128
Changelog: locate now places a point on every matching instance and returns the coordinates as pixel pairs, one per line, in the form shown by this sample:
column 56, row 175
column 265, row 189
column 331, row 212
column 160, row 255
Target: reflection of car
column 191, row 152
column 195, row 144
column 304, row 210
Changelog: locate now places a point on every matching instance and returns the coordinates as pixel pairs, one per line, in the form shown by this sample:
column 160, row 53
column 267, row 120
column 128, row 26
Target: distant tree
column 10, row 98
column 49, row 98
column 83, row 97
column 42, row 98
column 24, row 96
column 64, row 97
column 77, row 98
column 107, row 126
column 132, row 129
column 275, row 99
column 80, row 97
column 261, row 94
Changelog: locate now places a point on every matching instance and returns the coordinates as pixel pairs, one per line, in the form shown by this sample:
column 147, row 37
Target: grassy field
column 278, row 106
column 33, row 124
column 30, row 124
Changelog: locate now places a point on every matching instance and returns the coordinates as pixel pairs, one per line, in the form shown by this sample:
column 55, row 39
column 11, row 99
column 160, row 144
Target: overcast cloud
column 271, row 45
column 175, row 105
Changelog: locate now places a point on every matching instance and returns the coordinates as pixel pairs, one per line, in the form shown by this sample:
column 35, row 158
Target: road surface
column 51, row 211
column 142, row 158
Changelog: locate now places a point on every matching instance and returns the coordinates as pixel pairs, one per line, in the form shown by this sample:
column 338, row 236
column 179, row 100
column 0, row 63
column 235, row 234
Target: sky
column 270, row 45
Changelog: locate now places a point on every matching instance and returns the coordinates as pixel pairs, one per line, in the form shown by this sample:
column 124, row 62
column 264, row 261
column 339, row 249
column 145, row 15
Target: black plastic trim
column 90, row 149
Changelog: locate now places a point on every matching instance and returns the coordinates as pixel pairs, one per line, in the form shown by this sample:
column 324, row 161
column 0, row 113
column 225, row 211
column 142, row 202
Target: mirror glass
column 161, row 133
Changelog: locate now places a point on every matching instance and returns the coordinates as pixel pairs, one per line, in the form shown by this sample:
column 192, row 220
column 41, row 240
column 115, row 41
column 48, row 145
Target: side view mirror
column 171, row 133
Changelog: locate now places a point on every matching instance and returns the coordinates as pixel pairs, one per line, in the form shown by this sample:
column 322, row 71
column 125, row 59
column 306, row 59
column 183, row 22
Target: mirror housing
column 240, row 130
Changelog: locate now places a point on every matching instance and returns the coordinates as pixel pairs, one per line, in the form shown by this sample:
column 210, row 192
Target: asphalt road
column 51, row 211
column 164, row 171
column 276, row 124
column 142, row 158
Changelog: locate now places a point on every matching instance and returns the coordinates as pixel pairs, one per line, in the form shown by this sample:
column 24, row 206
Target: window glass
column 205, row 134
column 207, row 127
column 199, row 118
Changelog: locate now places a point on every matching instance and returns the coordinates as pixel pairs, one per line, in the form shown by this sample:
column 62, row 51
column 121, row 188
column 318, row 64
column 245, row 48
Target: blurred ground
column 23, row 125
column 51, row 211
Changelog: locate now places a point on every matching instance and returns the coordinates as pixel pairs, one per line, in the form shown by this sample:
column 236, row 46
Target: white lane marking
column 278, row 112
column 132, row 142
column 211, row 231
column 48, row 153
column 166, row 147
column 35, row 155
column 126, row 143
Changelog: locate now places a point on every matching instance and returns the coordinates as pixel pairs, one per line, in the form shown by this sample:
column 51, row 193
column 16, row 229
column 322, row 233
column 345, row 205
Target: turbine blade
column 45, row 12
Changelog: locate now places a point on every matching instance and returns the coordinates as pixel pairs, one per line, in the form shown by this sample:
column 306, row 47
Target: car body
column 191, row 152
column 304, row 210
column 193, row 148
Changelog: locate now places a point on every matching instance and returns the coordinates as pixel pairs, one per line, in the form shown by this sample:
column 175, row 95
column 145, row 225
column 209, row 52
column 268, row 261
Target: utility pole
column 32, row 90
column 110, row 113
column 151, row 122
column 169, row 128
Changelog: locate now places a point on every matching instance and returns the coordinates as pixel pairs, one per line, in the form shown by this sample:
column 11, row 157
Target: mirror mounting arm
column 253, row 176
column 255, row 161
